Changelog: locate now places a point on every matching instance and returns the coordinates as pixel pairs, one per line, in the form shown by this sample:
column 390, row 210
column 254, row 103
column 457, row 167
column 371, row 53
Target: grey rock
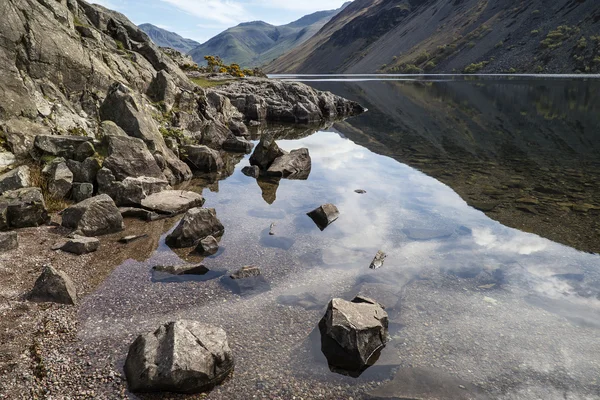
column 53, row 286
column 4, row 216
column 252, row 171
column 8, row 241
column 360, row 191
column 24, row 208
column 238, row 145
column 60, row 145
column 202, row 158
column 86, row 171
column 208, row 246
column 324, row 215
column 378, row 260
column 82, row 191
column 246, row 272
column 139, row 213
column 6, row 160
column 185, row 269
column 353, row 333
column 85, row 150
column 59, row 177
column 109, row 128
column 197, row 224
column 93, row 217
column 81, row 245
column 132, row 191
column 173, row 202
column 130, row 157
column 18, row 178
column 295, row 165
column 265, row 153
column 163, row 89
column 214, row 135
column 182, row 356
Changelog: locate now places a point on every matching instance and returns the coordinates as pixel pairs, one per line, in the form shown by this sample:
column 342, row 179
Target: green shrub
column 421, row 58
column 539, row 69
column 77, row 131
column 475, row 67
column 411, row 69
column 535, row 32
column 582, row 43
column 120, row 45
column 555, row 38
column 429, row 66
column 499, row 44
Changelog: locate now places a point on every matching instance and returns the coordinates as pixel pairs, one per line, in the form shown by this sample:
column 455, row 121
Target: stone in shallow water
column 172, row 201
column 183, row 269
column 246, row 272
column 197, row 224
column 324, row 215
column 132, row 238
column 53, row 287
column 208, row 246
column 181, row 356
column 378, row 260
column 427, row 234
column 295, row 165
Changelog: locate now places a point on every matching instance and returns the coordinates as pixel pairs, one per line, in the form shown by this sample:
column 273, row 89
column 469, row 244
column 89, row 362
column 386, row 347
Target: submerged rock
column 197, row 224
column 295, row 165
column 8, row 241
column 352, row 334
column 93, row 217
column 182, row 356
column 173, row 202
column 81, row 245
column 18, row 178
column 53, row 287
column 324, row 215
column 182, row 269
column 208, row 246
column 246, row 272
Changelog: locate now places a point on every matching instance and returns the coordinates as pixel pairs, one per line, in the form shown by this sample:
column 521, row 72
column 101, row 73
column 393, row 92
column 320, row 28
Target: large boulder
column 18, row 178
column 353, row 333
column 130, row 157
column 238, row 145
column 93, row 217
column 60, row 145
column 23, row 208
column 8, row 241
column 53, row 286
column 295, row 165
column 197, row 224
column 265, row 153
column 59, row 178
column 132, row 190
column 182, row 356
column 173, row 202
column 6, row 159
column 324, row 215
column 202, row 158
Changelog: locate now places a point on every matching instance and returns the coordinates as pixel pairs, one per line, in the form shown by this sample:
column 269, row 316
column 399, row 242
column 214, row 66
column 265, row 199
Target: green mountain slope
column 413, row 36
column 164, row 38
column 256, row 43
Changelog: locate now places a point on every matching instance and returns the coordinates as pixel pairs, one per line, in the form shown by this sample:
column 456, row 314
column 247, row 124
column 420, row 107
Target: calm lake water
column 478, row 309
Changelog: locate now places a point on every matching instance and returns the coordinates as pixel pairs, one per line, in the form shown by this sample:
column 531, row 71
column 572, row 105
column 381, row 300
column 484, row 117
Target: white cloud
column 223, row 11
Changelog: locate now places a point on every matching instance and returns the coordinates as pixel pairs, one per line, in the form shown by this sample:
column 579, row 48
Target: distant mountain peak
column 165, row 38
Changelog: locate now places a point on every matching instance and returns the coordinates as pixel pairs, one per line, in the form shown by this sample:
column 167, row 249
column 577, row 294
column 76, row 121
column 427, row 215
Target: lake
column 483, row 192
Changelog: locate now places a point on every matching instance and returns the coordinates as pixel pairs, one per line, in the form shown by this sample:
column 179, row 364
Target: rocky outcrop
column 130, row 157
column 23, row 208
column 53, row 287
column 197, row 224
column 18, row 178
column 94, row 217
column 182, row 356
column 270, row 100
column 352, row 334
column 324, row 215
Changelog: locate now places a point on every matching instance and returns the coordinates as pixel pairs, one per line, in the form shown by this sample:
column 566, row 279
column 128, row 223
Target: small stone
column 53, row 287
column 185, row 269
column 208, row 246
column 378, row 260
column 8, row 241
column 272, row 229
column 360, row 191
column 246, row 272
column 324, row 215
column 81, row 245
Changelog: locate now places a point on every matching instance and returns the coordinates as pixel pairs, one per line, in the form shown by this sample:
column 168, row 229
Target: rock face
column 352, row 334
column 173, row 201
column 325, row 215
column 16, row 179
column 81, row 245
column 53, row 287
column 61, row 145
column 197, row 224
column 8, row 241
column 182, row 356
column 23, row 208
column 202, row 158
column 295, row 165
column 93, row 217
column 208, row 246
column 129, row 157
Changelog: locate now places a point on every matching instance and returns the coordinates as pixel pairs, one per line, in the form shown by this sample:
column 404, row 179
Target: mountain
column 165, row 38
column 253, row 44
column 437, row 36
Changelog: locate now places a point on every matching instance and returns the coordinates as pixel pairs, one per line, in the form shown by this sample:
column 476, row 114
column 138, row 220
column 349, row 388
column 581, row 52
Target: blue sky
column 202, row 19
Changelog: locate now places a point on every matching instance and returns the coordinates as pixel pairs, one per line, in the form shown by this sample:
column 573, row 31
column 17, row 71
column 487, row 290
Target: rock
column 163, row 90
column 82, row 191
column 6, row 159
column 238, row 145
column 86, row 171
column 132, row 238
column 128, row 157
column 272, row 229
column 59, row 177
column 378, row 260
column 360, row 191
column 132, row 191
column 425, row 384
column 295, row 165
column 18, row 178
column 94, row 217
column 173, row 201
column 268, row 187
column 24, row 208
column 183, row 269
column 60, row 145
column 208, row 246
column 53, row 287
column 8, row 241
column 251, row 171
column 197, row 224
column 352, row 334
column 325, row 215
column 4, row 216
column 182, row 356
column 85, row 150
column 138, row 213
column 265, row 153
column 246, row 272
column 81, row 245
column 202, row 158
column 484, row 206
column 427, row 234
column 109, row 128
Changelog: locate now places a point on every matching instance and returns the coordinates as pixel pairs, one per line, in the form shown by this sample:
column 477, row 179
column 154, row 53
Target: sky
column 202, row 19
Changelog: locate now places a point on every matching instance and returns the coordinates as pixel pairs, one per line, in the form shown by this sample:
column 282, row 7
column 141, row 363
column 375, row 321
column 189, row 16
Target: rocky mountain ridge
column 164, row 38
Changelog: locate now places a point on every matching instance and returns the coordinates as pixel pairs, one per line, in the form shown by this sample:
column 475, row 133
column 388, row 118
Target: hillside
column 445, row 36
column 256, row 43
column 165, row 38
